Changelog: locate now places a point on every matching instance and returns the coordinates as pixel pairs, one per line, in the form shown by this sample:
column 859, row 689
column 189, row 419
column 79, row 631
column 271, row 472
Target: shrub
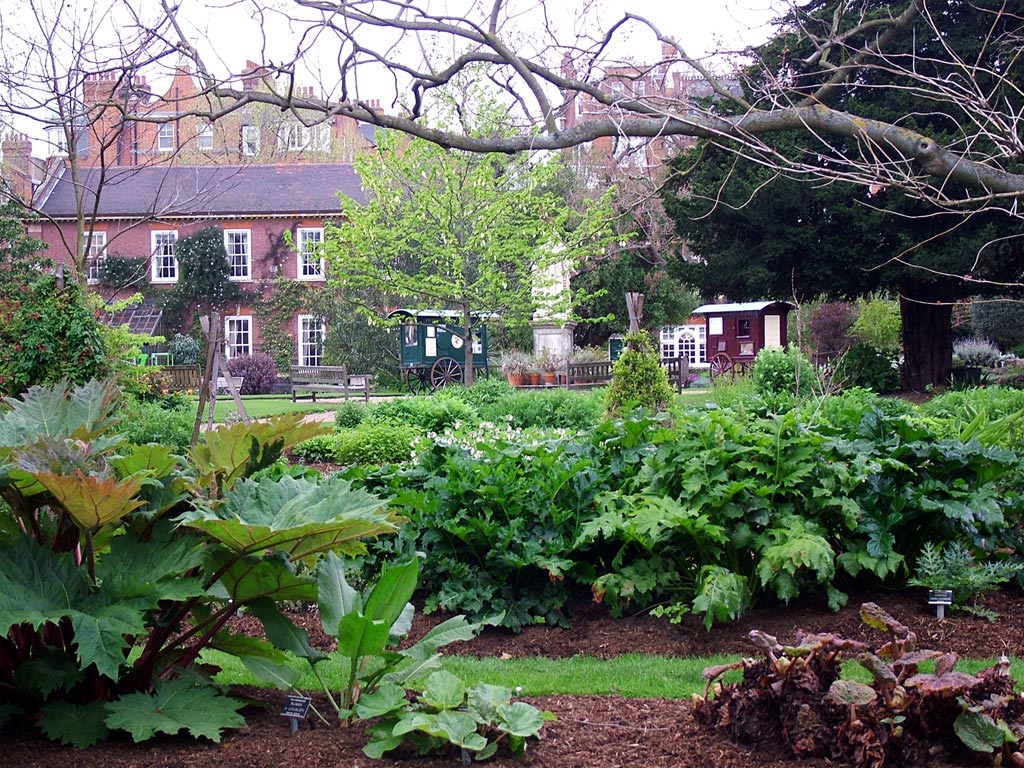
column 428, row 413
column 778, row 370
column 878, row 324
column 866, row 366
column 1002, row 321
column 830, row 327
column 980, row 353
column 184, row 349
column 52, row 336
column 349, row 414
column 485, row 391
column 259, row 371
column 554, row 408
column 317, row 449
column 638, row 380
column 158, row 422
column 375, row 443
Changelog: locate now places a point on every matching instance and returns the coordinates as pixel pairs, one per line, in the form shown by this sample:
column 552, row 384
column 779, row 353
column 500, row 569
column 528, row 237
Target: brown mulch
column 591, row 732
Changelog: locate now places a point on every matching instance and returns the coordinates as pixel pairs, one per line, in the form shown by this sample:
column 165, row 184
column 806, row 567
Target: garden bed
column 592, row 731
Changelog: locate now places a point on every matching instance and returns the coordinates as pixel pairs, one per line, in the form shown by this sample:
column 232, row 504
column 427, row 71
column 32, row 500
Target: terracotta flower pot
column 535, row 379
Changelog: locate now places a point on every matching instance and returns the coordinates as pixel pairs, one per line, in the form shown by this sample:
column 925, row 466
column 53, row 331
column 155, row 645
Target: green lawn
column 630, row 676
column 264, row 406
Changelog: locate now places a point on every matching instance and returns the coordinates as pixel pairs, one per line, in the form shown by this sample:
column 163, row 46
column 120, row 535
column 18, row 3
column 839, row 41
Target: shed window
column 743, row 326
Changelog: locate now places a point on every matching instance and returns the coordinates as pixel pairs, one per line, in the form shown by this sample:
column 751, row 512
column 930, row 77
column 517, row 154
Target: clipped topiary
column 638, row 380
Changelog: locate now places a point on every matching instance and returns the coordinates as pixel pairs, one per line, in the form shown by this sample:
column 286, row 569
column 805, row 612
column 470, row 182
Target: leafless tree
column 422, row 48
column 69, row 72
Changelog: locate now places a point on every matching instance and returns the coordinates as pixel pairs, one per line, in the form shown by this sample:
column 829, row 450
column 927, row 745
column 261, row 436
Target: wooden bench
column 329, row 378
column 585, row 375
column 183, row 377
column 599, row 374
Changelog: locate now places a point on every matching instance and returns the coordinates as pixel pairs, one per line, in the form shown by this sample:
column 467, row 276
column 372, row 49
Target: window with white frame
column 95, row 255
column 204, row 137
column 165, row 137
column 294, row 135
column 311, row 335
column 310, row 244
column 250, row 140
column 236, row 243
column 237, row 335
column 165, row 265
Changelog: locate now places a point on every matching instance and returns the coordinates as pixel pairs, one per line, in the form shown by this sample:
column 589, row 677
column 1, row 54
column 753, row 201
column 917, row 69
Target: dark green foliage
column 864, row 366
column 496, row 522
column 830, row 327
column 123, row 272
column 427, row 413
column 1001, row 320
column 184, row 349
column 638, row 380
column 259, row 372
column 777, row 370
column 167, row 423
column 21, row 259
column 762, row 233
column 52, row 336
column 204, row 270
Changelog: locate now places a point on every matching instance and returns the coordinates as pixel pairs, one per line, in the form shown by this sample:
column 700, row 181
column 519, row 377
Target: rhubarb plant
column 120, row 563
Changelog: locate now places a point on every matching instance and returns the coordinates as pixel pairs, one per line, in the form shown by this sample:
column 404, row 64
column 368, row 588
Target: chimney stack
column 17, row 166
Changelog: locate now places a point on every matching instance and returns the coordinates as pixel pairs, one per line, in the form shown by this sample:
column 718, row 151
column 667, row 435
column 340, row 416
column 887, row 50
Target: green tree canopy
column 472, row 233
column 763, row 233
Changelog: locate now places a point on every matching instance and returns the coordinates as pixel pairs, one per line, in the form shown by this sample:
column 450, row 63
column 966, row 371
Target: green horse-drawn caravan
column 432, row 348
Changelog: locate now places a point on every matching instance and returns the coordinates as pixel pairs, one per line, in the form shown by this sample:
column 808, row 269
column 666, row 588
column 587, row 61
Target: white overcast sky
column 227, row 36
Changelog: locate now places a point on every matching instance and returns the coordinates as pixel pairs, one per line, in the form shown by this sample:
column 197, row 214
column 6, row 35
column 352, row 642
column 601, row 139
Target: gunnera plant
column 976, row 352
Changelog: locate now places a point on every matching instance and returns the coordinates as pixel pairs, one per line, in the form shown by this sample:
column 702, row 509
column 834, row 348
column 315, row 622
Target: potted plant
column 548, row 363
column 970, row 358
column 515, row 365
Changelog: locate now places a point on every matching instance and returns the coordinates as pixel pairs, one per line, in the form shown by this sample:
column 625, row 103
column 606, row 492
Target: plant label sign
column 295, row 708
column 940, row 598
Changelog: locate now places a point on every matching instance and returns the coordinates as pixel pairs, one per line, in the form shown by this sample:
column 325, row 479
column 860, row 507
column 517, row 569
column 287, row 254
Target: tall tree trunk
column 927, row 343
column 467, row 347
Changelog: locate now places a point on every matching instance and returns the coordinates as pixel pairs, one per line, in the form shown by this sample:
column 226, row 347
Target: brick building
column 128, row 190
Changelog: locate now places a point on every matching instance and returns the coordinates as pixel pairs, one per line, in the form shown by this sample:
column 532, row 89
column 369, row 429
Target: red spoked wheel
column 721, row 366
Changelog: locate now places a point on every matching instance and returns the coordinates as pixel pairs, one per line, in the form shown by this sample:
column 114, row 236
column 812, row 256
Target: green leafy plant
column 368, row 625
column 954, row 567
column 638, row 380
column 870, row 368
column 374, row 443
column 120, row 563
column 184, row 349
column 447, row 715
column 777, row 370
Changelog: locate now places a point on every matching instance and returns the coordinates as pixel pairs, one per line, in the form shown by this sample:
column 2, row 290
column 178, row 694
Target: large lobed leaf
column 296, row 516
column 230, row 453
column 90, row 500
column 85, row 411
column 176, row 705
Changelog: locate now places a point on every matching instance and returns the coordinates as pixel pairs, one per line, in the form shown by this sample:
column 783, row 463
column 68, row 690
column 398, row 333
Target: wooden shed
column 737, row 332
